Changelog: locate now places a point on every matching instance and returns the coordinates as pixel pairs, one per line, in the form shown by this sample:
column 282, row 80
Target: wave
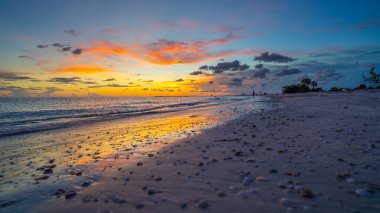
column 26, row 121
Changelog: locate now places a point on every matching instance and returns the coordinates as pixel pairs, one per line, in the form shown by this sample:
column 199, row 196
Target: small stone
column 203, row 205
column 48, row 171
column 374, row 186
column 298, row 188
column 352, row 181
column 51, row 160
column 42, row 177
column 363, row 192
column 59, row 192
column 273, row 171
column 286, row 202
column 139, row 206
column 306, row 193
column 70, row 194
column 139, row 164
column 242, row 194
column 87, row 183
column 151, row 192
column 261, row 179
column 248, row 180
column 221, row 194
column 250, row 160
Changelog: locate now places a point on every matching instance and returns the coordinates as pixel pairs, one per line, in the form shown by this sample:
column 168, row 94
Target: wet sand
column 36, row 166
column 318, row 153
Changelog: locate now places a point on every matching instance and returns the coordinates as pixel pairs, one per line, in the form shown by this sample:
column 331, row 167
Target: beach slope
column 318, row 153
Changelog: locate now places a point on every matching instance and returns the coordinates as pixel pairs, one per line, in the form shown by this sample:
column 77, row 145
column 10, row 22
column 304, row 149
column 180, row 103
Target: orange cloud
column 164, row 52
column 107, row 48
column 83, row 69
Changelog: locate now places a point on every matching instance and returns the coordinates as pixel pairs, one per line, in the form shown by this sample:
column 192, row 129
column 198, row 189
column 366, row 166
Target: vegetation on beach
column 304, row 86
column 373, row 79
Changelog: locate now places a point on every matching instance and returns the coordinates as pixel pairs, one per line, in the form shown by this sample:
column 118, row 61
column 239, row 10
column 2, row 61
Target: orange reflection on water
column 119, row 141
column 92, row 148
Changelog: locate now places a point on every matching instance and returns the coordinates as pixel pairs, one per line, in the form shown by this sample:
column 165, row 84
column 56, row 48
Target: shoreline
column 88, row 149
column 266, row 162
column 319, row 152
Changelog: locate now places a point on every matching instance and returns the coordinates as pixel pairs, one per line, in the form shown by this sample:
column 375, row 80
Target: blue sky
column 333, row 42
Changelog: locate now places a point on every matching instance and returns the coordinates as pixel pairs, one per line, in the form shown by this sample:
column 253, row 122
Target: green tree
column 314, row 84
column 306, row 81
column 374, row 78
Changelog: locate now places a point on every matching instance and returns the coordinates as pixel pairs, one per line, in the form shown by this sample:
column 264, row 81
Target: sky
column 175, row 48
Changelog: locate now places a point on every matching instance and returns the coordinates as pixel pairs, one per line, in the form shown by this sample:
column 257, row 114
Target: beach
column 316, row 152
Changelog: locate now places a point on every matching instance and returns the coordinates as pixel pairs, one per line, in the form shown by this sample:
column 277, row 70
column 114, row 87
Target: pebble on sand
column 203, row 205
column 286, row 202
column 363, row 192
column 70, row 194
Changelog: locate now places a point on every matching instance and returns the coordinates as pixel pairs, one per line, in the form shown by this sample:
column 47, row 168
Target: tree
column 374, row 78
column 302, row 87
column 306, row 82
column 314, row 84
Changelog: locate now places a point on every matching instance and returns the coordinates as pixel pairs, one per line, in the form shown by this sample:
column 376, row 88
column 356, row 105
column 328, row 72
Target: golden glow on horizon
column 83, row 69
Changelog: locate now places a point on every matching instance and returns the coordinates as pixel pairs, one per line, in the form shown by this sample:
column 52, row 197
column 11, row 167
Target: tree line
column 308, row 85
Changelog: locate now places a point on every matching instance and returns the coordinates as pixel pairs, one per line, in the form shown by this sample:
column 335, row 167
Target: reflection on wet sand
column 48, row 160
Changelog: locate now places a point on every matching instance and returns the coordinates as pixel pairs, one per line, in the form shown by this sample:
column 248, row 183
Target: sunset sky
column 157, row 47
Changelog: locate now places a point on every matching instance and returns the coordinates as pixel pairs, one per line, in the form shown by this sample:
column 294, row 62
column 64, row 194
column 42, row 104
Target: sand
column 319, row 152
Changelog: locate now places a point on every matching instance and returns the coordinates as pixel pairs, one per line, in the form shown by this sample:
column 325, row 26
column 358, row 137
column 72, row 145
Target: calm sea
column 22, row 115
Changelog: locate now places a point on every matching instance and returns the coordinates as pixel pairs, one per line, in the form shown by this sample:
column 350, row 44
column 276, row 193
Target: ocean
column 23, row 115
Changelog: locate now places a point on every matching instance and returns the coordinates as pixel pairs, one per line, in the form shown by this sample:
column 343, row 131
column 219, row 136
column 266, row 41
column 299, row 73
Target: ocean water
column 23, row 115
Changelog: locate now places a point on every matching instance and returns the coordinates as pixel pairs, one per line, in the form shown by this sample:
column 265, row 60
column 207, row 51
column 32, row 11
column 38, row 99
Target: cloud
column 259, row 66
column 83, row 69
column 235, row 82
column 109, row 85
column 27, row 57
column 179, row 80
column 72, row 32
column 166, row 52
column 273, row 57
column 111, row 31
column 288, row 71
column 196, row 73
column 72, row 80
column 50, row 90
column 328, row 75
column 261, row 73
column 226, row 66
column 65, row 49
column 58, row 45
column 204, row 67
column 42, row 46
column 8, row 76
column 77, row 51
column 109, row 79
column 88, row 82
